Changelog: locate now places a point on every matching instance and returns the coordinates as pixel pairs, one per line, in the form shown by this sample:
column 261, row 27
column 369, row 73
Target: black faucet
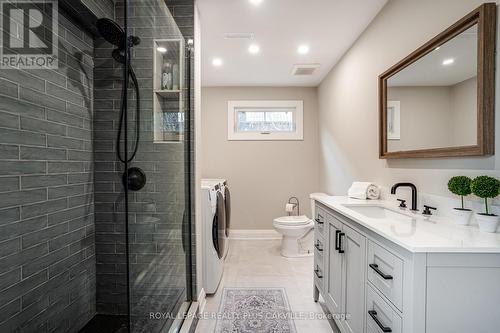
column 413, row 193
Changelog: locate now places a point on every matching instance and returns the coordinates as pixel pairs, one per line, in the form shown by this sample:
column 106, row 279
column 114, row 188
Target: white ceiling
column 430, row 71
column 329, row 27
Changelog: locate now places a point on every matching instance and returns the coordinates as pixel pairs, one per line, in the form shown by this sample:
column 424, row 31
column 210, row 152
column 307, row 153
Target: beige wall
column 446, row 114
column 262, row 174
column 348, row 115
column 422, row 109
column 464, row 123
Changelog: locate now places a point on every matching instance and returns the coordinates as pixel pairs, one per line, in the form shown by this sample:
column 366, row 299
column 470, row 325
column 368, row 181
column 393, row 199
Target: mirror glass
column 432, row 103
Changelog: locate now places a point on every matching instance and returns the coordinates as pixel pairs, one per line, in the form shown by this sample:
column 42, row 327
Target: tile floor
column 258, row 263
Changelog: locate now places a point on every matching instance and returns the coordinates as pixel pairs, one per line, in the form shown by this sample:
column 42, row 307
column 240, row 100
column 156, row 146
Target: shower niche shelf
column 167, row 93
column 168, row 90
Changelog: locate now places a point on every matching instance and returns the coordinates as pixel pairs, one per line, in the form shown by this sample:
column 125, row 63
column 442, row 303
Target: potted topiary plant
column 486, row 187
column 460, row 185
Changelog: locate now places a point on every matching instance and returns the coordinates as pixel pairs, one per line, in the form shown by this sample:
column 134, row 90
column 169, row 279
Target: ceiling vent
column 238, row 35
column 304, row 69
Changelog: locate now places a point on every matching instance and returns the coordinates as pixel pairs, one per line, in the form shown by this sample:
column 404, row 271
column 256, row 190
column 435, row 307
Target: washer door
column 227, row 203
column 219, row 227
column 215, row 234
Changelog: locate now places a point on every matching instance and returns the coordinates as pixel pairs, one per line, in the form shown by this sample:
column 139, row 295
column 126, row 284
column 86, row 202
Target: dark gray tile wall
column 99, row 8
column 183, row 13
column 47, row 252
column 109, row 194
column 86, row 12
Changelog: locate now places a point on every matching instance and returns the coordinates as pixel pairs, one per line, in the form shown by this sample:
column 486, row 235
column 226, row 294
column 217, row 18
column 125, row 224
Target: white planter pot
column 462, row 216
column 488, row 223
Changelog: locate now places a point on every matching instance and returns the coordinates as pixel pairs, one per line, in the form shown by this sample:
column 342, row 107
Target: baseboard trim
column 254, row 234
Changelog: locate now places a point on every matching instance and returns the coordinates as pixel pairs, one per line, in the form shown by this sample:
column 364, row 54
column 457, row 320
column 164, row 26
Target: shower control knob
column 136, row 179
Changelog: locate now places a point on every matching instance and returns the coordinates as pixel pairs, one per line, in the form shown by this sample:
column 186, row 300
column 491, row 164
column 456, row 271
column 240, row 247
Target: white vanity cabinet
column 353, row 246
column 371, row 284
column 343, row 280
column 333, row 267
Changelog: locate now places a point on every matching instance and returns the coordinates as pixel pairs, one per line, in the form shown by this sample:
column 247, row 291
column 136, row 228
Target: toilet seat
column 292, row 221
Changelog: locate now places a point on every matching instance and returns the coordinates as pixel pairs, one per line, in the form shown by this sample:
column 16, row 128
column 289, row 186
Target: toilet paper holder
column 295, row 202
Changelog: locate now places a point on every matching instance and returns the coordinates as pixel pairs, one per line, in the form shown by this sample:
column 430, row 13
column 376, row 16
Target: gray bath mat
column 254, row 310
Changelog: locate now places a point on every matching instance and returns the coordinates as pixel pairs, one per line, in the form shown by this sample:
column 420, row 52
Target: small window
column 265, row 120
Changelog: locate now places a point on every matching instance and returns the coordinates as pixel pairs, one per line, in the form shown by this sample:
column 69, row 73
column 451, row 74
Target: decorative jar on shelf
column 166, row 76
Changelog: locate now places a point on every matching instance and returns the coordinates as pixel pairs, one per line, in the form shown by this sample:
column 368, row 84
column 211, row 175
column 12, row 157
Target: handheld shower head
column 111, row 32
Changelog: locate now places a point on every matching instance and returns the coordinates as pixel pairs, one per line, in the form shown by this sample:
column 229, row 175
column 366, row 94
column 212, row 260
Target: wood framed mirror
column 439, row 101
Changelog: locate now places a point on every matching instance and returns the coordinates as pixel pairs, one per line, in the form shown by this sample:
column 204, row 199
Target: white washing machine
column 214, row 234
column 224, row 189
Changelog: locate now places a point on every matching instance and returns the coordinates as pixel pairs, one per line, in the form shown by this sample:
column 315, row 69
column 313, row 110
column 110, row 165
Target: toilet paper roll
column 289, row 207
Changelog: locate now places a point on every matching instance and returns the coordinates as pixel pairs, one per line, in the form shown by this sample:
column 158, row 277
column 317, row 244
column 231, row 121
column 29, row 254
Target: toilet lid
column 293, row 220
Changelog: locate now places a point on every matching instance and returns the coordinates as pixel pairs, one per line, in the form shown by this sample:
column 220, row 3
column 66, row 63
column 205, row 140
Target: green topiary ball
column 460, row 185
column 485, row 186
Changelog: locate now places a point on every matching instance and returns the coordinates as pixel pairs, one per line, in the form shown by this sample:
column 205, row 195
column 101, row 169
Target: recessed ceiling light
column 447, row 62
column 303, row 49
column 217, row 62
column 437, row 48
column 254, row 49
column 162, row 49
column 256, row 2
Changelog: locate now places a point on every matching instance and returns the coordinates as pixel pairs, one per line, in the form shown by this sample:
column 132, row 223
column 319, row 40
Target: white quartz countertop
column 412, row 231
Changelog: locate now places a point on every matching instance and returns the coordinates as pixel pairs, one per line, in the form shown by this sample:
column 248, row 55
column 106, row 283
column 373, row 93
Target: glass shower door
column 158, row 202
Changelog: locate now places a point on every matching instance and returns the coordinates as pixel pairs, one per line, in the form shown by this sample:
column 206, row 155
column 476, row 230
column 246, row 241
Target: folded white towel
column 363, row 191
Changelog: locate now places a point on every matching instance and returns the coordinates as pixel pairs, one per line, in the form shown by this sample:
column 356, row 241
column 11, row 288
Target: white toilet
column 297, row 234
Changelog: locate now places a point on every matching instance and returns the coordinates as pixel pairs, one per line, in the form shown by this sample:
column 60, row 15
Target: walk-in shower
column 95, row 167
column 153, row 197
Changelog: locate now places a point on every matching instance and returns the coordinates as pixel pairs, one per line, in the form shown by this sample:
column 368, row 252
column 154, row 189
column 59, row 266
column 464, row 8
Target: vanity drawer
column 380, row 317
column 385, row 272
column 318, row 276
column 319, row 252
column 319, row 220
column 319, row 246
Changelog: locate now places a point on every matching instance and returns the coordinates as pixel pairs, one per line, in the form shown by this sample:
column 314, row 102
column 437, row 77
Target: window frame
column 298, row 117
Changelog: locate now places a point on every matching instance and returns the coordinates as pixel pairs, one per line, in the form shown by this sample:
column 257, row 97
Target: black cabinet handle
column 340, row 242
column 318, row 273
column 317, row 247
column 318, row 219
column 373, row 314
column 379, row 272
column 337, row 232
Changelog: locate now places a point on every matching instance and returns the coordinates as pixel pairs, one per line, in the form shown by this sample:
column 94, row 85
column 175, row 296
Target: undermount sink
column 379, row 212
